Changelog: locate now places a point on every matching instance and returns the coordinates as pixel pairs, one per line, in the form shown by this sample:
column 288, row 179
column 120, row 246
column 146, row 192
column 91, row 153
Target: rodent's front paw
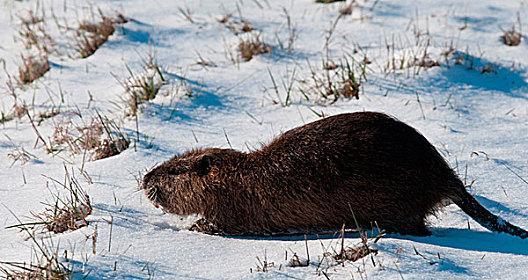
column 204, row 226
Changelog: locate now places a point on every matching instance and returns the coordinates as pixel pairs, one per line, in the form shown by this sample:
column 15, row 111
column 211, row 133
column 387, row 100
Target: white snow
column 478, row 121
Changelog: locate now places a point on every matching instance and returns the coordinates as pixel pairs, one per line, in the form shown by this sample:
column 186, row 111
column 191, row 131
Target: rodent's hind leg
column 205, row 226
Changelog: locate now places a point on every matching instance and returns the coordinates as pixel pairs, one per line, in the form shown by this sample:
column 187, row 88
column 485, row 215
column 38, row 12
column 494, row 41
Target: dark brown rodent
column 365, row 167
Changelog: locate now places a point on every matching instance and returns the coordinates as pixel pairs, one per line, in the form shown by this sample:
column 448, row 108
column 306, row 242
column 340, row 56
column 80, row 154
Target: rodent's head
column 182, row 184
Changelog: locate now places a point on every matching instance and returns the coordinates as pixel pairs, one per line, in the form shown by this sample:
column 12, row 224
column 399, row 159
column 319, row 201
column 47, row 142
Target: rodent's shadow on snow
column 482, row 241
column 298, row 236
column 445, row 263
column 465, row 239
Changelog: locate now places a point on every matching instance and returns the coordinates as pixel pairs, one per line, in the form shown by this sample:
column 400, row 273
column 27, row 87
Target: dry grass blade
column 32, row 68
column 33, row 33
column 346, row 9
column 67, row 218
column 44, row 270
column 328, row 1
column 350, row 85
column 264, row 265
column 44, row 266
column 293, row 33
column 236, row 26
column 425, row 62
column 48, row 114
column 5, row 118
column 77, row 138
column 91, row 36
column 251, row 47
column 355, row 253
column 511, row 37
column 18, row 111
column 87, row 42
column 19, row 154
column 186, row 13
column 101, row 136
column 66, row 213
column 142, row 87
column 287, row 87
column 116, row 142
column 296, row 261
column 341, row 80
column 359, row 251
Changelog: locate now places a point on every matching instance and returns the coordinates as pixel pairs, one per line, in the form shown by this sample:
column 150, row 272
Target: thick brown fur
column 353, row 169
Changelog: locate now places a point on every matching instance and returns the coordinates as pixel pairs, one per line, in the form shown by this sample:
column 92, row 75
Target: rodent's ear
column 205, row 164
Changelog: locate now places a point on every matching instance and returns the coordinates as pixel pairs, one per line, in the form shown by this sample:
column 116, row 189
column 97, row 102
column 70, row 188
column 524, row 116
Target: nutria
column 354, row 169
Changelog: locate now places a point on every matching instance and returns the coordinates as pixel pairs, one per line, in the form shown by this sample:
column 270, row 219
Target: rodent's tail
column 485, row 218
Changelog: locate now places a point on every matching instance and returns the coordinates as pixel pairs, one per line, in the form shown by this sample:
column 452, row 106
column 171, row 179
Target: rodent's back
column 359, row 144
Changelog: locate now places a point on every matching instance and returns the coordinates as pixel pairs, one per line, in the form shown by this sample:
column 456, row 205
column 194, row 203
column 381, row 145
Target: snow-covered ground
column 475, row 112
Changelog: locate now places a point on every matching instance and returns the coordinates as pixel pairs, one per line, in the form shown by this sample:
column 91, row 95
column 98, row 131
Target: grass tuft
column 252, row 47
column 33, row 33
column 101, row 137
column 142, row 87
column 338, row 80
column 236, row 26
column 47, row 267
column 32, row 68
column 511, row 37
column 66, row 213
column 346, row 9
column 90, row 36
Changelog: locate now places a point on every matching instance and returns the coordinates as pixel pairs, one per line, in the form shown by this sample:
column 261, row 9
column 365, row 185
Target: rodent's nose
column 151, row 190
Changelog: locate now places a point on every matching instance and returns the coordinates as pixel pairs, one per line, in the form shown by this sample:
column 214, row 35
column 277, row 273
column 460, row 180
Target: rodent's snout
column 145, row 181
column 151, row 190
